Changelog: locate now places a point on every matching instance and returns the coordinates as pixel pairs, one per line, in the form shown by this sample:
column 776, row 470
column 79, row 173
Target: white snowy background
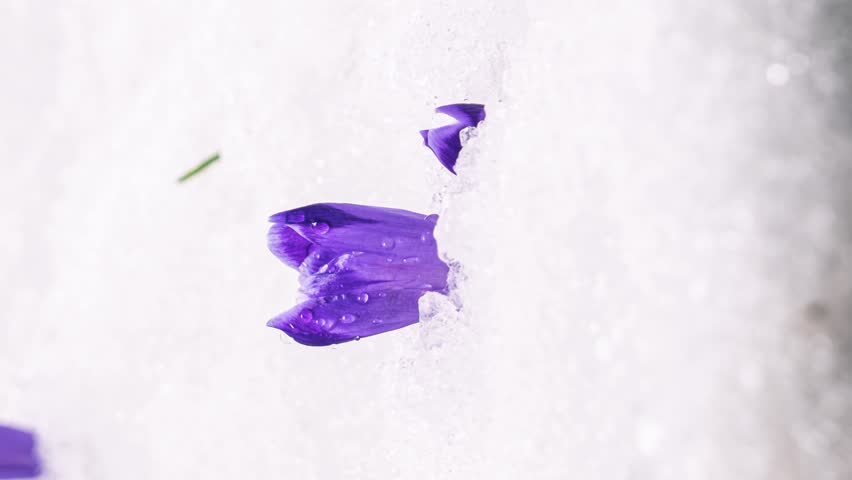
column 653, row 223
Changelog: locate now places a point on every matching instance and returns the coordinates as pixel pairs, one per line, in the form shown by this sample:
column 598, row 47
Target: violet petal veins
column 362, row 269
column 444, row 141
column 18, row 457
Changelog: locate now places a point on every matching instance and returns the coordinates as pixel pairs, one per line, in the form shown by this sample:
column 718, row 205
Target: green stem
column 201, row 166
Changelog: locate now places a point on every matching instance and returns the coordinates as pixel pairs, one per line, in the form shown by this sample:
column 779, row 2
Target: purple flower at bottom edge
column 362, row 269
column 18, row 457
column 444, row 141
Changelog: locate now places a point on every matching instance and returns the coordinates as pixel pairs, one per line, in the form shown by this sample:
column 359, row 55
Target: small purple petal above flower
column 467, row 113
column 361, row 268
column 444, row 141
column 18, row 457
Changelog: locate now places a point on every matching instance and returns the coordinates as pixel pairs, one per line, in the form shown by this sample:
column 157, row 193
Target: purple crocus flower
column 17, row 454
column 362, row 269
column 444, row 141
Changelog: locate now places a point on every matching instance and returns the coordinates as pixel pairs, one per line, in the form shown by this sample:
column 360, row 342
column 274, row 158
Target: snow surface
column 652, row 228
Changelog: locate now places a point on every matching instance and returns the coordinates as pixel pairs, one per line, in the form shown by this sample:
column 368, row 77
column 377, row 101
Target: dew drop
column 432, row 218
column 377, row 322
column 306, row 315
column 411, row 260
column 348, row 318
column 320, row 227
column 295, row 217
column 357, row 338
column 425, row 237
column 382, row 294
column 388, row 243
column 343, row 296
column 389, row 260
column 363, row 298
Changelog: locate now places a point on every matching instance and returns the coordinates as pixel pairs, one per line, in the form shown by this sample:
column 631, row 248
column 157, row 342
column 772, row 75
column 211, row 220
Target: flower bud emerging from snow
column 361, row 268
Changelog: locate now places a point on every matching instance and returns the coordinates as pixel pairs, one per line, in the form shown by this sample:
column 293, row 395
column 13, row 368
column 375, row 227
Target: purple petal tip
column 468, row 113
column 444, row 141
column 287, row 245
column 18, row 458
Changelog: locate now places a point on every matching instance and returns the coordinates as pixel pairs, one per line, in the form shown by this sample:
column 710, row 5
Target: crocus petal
column 345, row 317
column 468, row 114
column 370, row 272
column 445, row 144
column 361, row 268
column 290, row 247
column 18, row 458
column 444, row 141
column 341, row 228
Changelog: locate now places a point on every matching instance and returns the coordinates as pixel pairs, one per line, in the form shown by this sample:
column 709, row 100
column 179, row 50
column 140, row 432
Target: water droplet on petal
column 377, row 322
column 348, row 318
column 295, row 217
column 432, row 218
column 389, row 259
column 411, row 260
column 388, row 243
column 425, row 237
column 357, row 338
column 306, row 315
column 320, row 227
column 426, row 286
column 343, row 296
column 382, row 294
column 363, row 298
